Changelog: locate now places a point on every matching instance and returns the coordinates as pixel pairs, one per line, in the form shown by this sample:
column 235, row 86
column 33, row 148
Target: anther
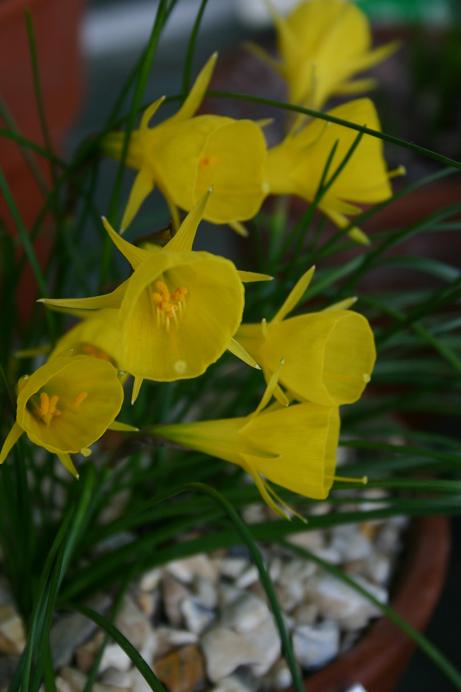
column 79, row 399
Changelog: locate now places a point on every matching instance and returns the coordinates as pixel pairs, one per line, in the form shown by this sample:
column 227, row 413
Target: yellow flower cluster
column 181, row 309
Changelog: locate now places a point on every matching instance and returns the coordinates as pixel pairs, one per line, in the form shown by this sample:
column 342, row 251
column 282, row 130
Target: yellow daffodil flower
column 185, row 155
column 97, row 335
column 67, row 405
column 296, row 165
column 322, row 44
column 327, row 356
column 294, row 446
column 178, row 311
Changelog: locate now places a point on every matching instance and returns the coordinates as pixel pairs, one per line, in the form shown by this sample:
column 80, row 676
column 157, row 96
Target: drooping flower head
column 96, row 335
column 185, row 155
column 178, row 311
column 296, row 165
column 67, row 405
column 327, row 356
column 294, row 446
column 322, row 44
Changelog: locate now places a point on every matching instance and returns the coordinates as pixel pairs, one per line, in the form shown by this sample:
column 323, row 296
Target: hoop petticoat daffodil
column 296, row 165
column 294, row 446
column 97, row 335
column 178, row 311
column 322, row 44
column 185, row 155
column 67, row 405
column 327, row 356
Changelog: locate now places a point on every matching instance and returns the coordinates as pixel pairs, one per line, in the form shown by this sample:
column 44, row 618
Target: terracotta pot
column 380, row 657
column 56, row 29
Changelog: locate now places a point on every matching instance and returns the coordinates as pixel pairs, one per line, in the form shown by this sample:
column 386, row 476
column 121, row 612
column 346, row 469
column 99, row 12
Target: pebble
column 168, row 638
column 379, row 569
column 314, row 646
column 115, row 657
column 67, row 634
column 133, row 623
column 231, row 684
column 278, row 678
column 117, row 678
column 263, row 642
column 196, row 616
column 306, row 613
column 232, row 567
column 181, row 670
column 205, row 592
column 339, row 601
column 224, row 650
column 148, row 601
column 350, row 544
column 198, row 565
column 228, row 594
column 85, row 654
column 151, row 579
column 245, row 613
column 72, row 680
column 248, row 577
column 173, row 594
column 12, row 637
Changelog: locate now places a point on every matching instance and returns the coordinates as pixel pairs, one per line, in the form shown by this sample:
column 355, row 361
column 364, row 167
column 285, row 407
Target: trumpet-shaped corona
column 294, row 446
column 67, row 405
column 327, row 356
column 187, row 154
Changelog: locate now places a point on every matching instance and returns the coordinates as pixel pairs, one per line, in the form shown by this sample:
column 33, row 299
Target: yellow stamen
column 79, row 399
column 47, row 408
column 349, row 479
column 169, row 306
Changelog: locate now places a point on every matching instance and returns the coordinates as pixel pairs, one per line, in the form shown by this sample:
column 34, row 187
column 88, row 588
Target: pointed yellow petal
column 196, row 94
column 263, row 55
column 236, row 348
column 239, row 228
column 143, row 185
column 122, row 427
column 342, row 304
column 108, row 300
column 356, row 86
column 150, row 112
column 134, row 255
column 295, row 295
column 11, row 439
column 68, row 464
column 251, row 277
column 268, row 392
column 184, row 238
column 137, row 384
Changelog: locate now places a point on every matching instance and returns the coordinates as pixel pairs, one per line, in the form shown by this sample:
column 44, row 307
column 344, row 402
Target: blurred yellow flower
column 178, row 311
column 185, row 155
column 322, row 44
column 296, row 165
column 66, row 405
column 327, row 356
column 97, row 335
column 294, row 446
